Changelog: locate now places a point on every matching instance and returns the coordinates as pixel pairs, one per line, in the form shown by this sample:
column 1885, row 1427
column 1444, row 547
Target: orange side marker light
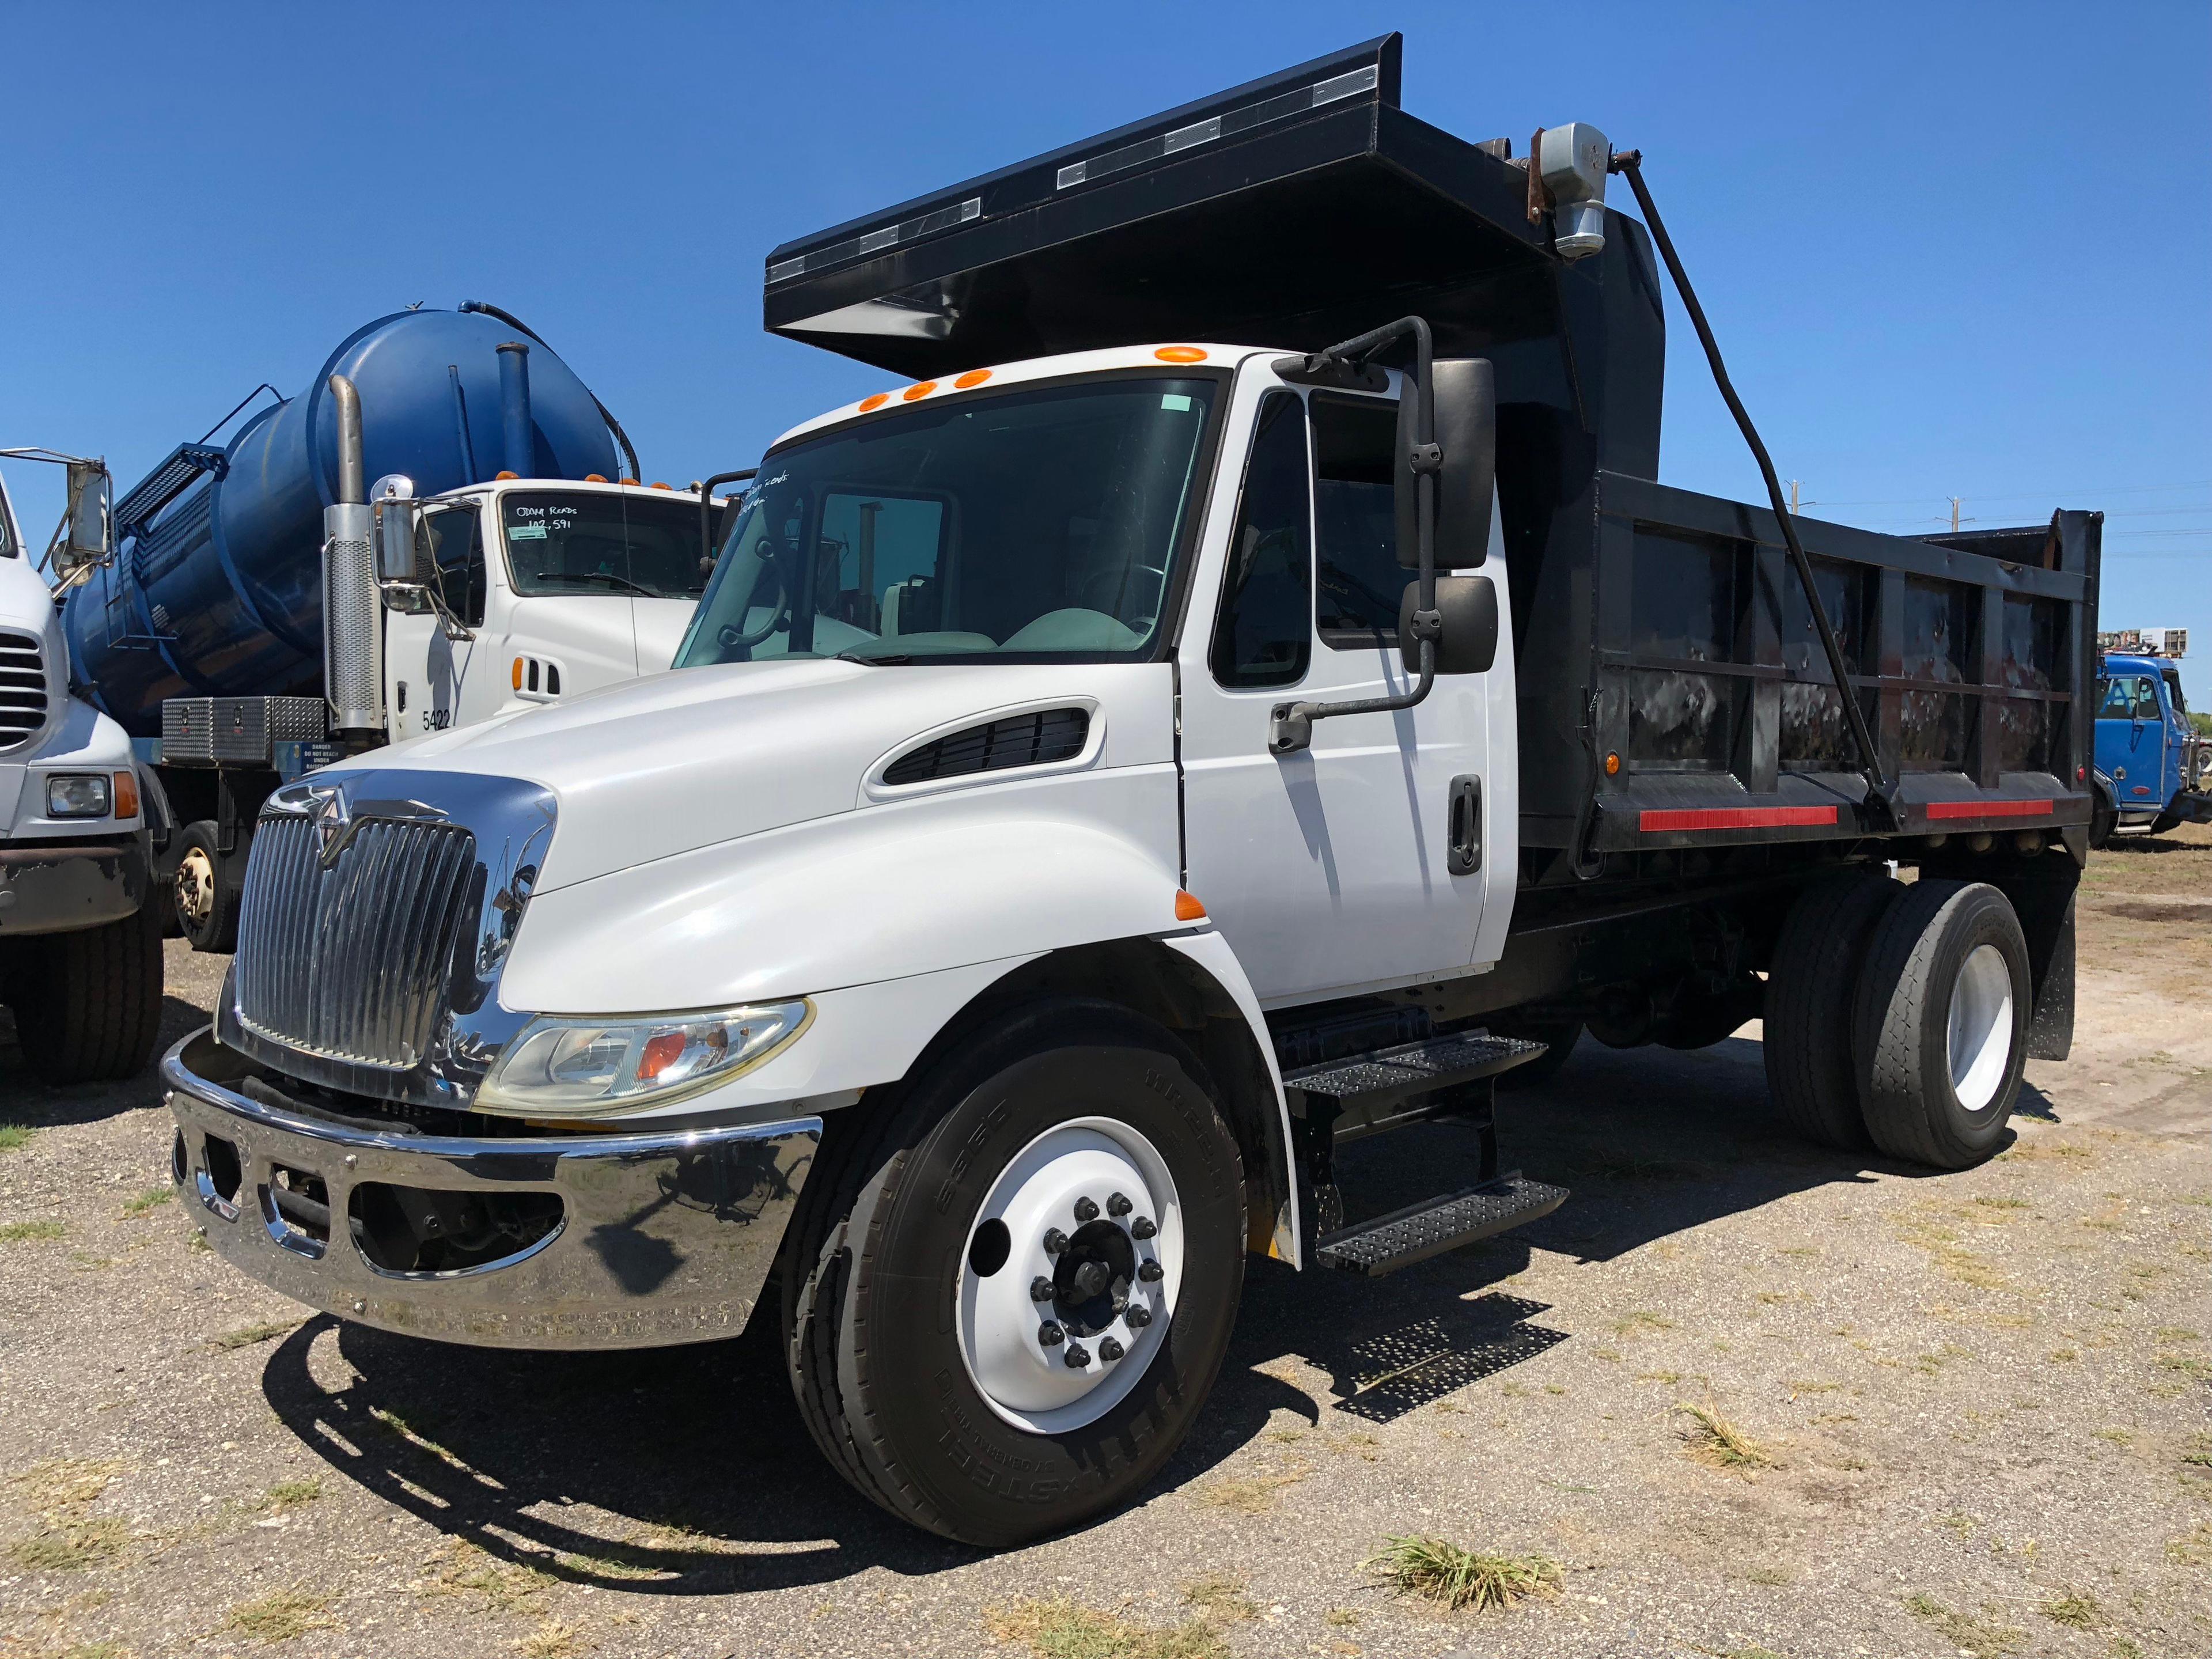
column 1187, row 908
column 1180, row 354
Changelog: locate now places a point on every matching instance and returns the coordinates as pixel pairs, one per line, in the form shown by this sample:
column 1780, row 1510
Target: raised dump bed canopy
column 1293, row 211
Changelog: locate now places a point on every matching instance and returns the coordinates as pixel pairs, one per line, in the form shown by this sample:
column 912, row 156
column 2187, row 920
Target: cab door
column 425, row 672
column 2131, row 741
column 1330, row 870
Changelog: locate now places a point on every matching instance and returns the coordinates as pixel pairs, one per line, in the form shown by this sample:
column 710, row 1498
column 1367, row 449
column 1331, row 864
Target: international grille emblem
column 335, row 824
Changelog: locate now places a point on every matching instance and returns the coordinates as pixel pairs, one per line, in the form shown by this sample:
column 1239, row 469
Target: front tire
column 89, row 1003
column 1941, row 1021
column 921, row 1284
column 205, row 895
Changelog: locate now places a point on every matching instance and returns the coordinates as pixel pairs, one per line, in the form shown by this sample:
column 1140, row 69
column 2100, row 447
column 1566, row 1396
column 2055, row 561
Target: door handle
column 1464, row 835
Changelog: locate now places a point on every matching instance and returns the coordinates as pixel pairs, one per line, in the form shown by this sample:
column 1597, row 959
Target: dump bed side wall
column 1670, row 660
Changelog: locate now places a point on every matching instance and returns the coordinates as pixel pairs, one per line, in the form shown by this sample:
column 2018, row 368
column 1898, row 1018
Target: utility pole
column 1954, row 515
column 1793, row 498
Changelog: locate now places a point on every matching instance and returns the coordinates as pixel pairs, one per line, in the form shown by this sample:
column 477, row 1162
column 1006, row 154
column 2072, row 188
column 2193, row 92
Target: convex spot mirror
column 82, row 542
column 1465, row 393
column 1468, row 608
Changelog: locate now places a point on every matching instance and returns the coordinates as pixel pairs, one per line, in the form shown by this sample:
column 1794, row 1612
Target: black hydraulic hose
column 1881, row 792
column 605, row 414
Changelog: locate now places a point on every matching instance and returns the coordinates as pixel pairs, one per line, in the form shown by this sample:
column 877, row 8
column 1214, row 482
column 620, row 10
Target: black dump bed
column 1673, row 691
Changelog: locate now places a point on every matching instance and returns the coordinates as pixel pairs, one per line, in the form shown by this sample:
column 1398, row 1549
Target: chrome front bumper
column 665, row 1236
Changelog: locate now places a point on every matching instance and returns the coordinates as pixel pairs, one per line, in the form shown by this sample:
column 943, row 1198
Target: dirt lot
column 1985, row 1401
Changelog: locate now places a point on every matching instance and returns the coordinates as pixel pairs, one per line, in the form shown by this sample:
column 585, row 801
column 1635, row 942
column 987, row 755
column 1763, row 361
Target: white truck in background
column 80, row 920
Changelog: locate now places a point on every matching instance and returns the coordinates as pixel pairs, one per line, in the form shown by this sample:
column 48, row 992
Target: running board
column 1406, row 1083
column 1421, row 1231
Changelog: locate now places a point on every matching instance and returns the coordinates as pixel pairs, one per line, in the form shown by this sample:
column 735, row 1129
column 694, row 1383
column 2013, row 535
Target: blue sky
column 1950, row 250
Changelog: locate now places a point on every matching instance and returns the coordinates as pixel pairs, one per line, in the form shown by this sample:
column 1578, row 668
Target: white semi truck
column 1244, row 690
column 80, row 923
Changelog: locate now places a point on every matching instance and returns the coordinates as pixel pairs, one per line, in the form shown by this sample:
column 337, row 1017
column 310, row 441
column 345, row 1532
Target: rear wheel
column 1014, row 1286
column 1810, row 1072
column 1942, row 1024
column 206, row 896
column 89, row 1003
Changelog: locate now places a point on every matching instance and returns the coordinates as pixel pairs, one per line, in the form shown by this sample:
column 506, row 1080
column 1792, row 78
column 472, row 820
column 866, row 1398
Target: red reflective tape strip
column 1990, row 808
column 1734, row 818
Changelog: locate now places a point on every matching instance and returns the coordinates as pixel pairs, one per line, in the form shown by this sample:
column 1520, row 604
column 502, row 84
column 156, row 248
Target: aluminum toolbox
column 237, row 731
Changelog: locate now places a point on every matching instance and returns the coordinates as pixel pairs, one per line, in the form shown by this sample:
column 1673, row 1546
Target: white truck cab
column 557, row 587
column 80, row 947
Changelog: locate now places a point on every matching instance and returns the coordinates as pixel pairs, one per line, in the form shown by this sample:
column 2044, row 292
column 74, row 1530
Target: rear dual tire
column 1897, row 1018
column 918, row 1373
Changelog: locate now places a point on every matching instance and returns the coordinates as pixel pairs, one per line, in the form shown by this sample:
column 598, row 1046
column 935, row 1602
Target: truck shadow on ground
column 687, row 1471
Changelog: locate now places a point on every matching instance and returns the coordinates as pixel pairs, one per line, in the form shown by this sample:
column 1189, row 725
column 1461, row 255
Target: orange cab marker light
column 503, row 474
column 518, row 673
column 126, row 794
column 875, row 402
column 628, row 480
column 921, row 389
column 974, row 377
column 1180, row 354
column 1187, row 908
column 657, row 484
column 595, row 477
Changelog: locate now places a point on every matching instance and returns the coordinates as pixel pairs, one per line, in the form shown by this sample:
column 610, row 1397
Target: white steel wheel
column 1978, row 1043
column 1071, row 1275
column 195, row 888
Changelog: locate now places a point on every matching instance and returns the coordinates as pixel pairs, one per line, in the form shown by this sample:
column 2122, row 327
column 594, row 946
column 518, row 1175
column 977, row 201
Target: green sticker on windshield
column 1176, row 400
column 526, row 532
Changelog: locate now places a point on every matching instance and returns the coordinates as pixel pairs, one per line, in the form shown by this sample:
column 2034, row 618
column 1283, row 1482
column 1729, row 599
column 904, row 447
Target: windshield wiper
column 600, row 576
column 890, row 661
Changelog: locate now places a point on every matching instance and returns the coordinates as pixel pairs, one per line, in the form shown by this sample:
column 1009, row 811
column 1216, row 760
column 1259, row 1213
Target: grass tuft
column 247, row 1336
column 1221, row 1598
column 1711, row 1439
column 1437, row 1570
column 1250, row 1494
column 1963, row 1631
column 551, row 1640
column 69, row 1546
column 14, row 1137
column 1636, row 1321
column 152, row 1198
column 291, row 1494
column 1062, row 1629
column 2073, row 1609
column 282, row 1615
column 22, row 1232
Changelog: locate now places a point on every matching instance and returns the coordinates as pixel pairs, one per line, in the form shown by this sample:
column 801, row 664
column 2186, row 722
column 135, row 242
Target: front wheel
column 1013, row 1288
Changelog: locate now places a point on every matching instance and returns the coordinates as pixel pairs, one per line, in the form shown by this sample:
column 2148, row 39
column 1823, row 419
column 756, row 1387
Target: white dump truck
column 80, row 928
column 1243, row 689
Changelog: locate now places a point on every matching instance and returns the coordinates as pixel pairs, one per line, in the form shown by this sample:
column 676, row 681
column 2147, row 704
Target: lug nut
column 1055, row 1241
column 1041, row 1289
column 1142, row 1227
column 1118, row 1205
column 1086, row 1210
column 1136, row 1316
column 1110, row 1350
column 1050, row 1334
column 1077, row 1357
column 1150, row 1272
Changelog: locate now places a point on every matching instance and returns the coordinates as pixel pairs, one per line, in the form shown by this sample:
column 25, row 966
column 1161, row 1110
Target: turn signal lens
column 921, row 389
column 126, row 794
column 874, row 401
column 1187, row 908
column 974, row 377
column 518, row 673
column 1612, row 766
column 1180, row 354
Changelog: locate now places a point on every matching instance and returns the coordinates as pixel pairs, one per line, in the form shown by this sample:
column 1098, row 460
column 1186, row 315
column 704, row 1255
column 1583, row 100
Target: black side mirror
column 1466, row 396
column 1468, row 608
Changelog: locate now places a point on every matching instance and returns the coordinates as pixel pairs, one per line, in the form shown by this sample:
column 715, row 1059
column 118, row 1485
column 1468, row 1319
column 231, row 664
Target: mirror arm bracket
column 1291, row 730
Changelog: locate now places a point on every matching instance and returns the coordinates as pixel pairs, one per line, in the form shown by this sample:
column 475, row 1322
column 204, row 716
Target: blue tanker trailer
column 242, row 633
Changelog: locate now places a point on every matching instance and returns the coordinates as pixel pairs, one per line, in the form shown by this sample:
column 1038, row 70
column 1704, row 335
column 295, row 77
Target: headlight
column 76, row 795
column 559, row 1067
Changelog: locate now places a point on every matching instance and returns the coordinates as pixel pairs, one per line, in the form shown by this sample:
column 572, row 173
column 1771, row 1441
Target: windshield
column 590, row 542
column 1032, row 524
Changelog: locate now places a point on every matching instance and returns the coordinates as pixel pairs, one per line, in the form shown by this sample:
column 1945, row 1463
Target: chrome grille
column 351, row 962
column 22, row 689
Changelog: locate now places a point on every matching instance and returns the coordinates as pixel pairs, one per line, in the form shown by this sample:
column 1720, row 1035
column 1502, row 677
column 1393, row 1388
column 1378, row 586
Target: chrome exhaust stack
column 353, row 632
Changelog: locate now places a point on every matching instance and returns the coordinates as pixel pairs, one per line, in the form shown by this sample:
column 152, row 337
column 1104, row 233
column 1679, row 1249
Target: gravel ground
column 1984, row 1399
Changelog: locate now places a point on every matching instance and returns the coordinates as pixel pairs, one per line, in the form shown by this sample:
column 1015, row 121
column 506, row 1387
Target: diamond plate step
column 1412, row 1068
column 1421, row 1230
